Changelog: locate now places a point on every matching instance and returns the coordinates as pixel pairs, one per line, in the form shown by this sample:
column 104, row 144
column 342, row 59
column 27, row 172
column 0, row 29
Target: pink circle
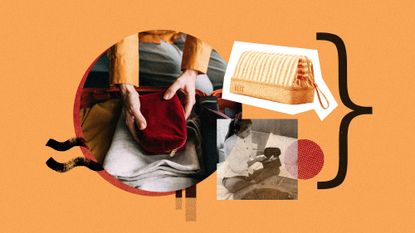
column 291, row 159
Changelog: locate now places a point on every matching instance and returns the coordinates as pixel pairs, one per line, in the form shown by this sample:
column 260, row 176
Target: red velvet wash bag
column 166, row 125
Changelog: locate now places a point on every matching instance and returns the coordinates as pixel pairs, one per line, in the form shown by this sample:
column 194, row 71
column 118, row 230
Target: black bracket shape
column 344, row 125
column 66, row 145
column 75, row 162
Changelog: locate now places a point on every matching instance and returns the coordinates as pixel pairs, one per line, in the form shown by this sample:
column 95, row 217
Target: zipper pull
column 173, row 152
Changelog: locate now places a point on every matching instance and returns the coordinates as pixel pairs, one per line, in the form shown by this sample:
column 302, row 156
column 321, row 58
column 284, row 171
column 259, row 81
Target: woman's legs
column 234, row 184
column 270, row 169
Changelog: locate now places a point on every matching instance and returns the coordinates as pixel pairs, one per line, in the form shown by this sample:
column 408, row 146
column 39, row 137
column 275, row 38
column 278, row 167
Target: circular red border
column 89, row 155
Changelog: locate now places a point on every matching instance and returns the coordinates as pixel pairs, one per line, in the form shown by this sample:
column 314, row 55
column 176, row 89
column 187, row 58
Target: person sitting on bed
column 242, row 166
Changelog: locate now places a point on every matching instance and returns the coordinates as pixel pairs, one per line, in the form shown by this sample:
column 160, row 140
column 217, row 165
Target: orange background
column 47, row 46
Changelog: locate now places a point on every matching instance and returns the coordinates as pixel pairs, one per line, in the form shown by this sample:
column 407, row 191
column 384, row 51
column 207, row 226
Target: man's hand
column 186, row 83
column 131, row 103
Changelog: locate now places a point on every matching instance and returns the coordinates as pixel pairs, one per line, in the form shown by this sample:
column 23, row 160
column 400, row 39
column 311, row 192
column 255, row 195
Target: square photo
column 257, row 159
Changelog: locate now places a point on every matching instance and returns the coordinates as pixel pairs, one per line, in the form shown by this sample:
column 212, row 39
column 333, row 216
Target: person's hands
column 186, row 83
column 259, row 158
column 254, row 167
column 131, row 103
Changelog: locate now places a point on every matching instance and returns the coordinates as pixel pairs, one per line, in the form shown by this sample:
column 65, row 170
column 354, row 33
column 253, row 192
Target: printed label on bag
column 239, row 88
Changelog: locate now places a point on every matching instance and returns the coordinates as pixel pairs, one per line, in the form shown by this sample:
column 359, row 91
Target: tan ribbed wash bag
column 283, row 78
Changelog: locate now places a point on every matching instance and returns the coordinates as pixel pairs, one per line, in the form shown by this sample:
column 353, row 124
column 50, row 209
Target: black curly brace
column 344, row 125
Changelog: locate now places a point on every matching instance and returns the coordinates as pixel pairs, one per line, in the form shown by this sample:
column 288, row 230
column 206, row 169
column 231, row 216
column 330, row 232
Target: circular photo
column 147, row 110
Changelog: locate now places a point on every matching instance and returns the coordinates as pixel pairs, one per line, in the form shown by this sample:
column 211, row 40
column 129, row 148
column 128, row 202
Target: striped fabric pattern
column 275, row 69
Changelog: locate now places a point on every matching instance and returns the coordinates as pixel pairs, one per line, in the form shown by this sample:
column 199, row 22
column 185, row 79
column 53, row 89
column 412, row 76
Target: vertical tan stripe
column 190, row 211
column 281, row 70
column 250, row 63
column 191, row 203
column 264, row 68
column 252, row 66
column 278, row 61
column 284, row 71
column 269, row 73
column 241, row 64
column 292, row 71
column 178, row 203
column 247, row 65
column 257, row 67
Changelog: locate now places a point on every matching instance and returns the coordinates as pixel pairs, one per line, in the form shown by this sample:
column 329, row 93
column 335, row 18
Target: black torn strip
column 191, row 191
column 66, row 145
column 75, row 162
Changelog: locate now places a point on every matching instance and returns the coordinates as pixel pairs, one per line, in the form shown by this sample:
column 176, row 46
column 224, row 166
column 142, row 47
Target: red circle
column 310, row 159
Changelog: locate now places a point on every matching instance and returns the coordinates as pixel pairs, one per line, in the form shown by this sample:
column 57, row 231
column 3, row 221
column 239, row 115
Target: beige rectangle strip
column 272, row 92
column 190, row 209
column 178, row 203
